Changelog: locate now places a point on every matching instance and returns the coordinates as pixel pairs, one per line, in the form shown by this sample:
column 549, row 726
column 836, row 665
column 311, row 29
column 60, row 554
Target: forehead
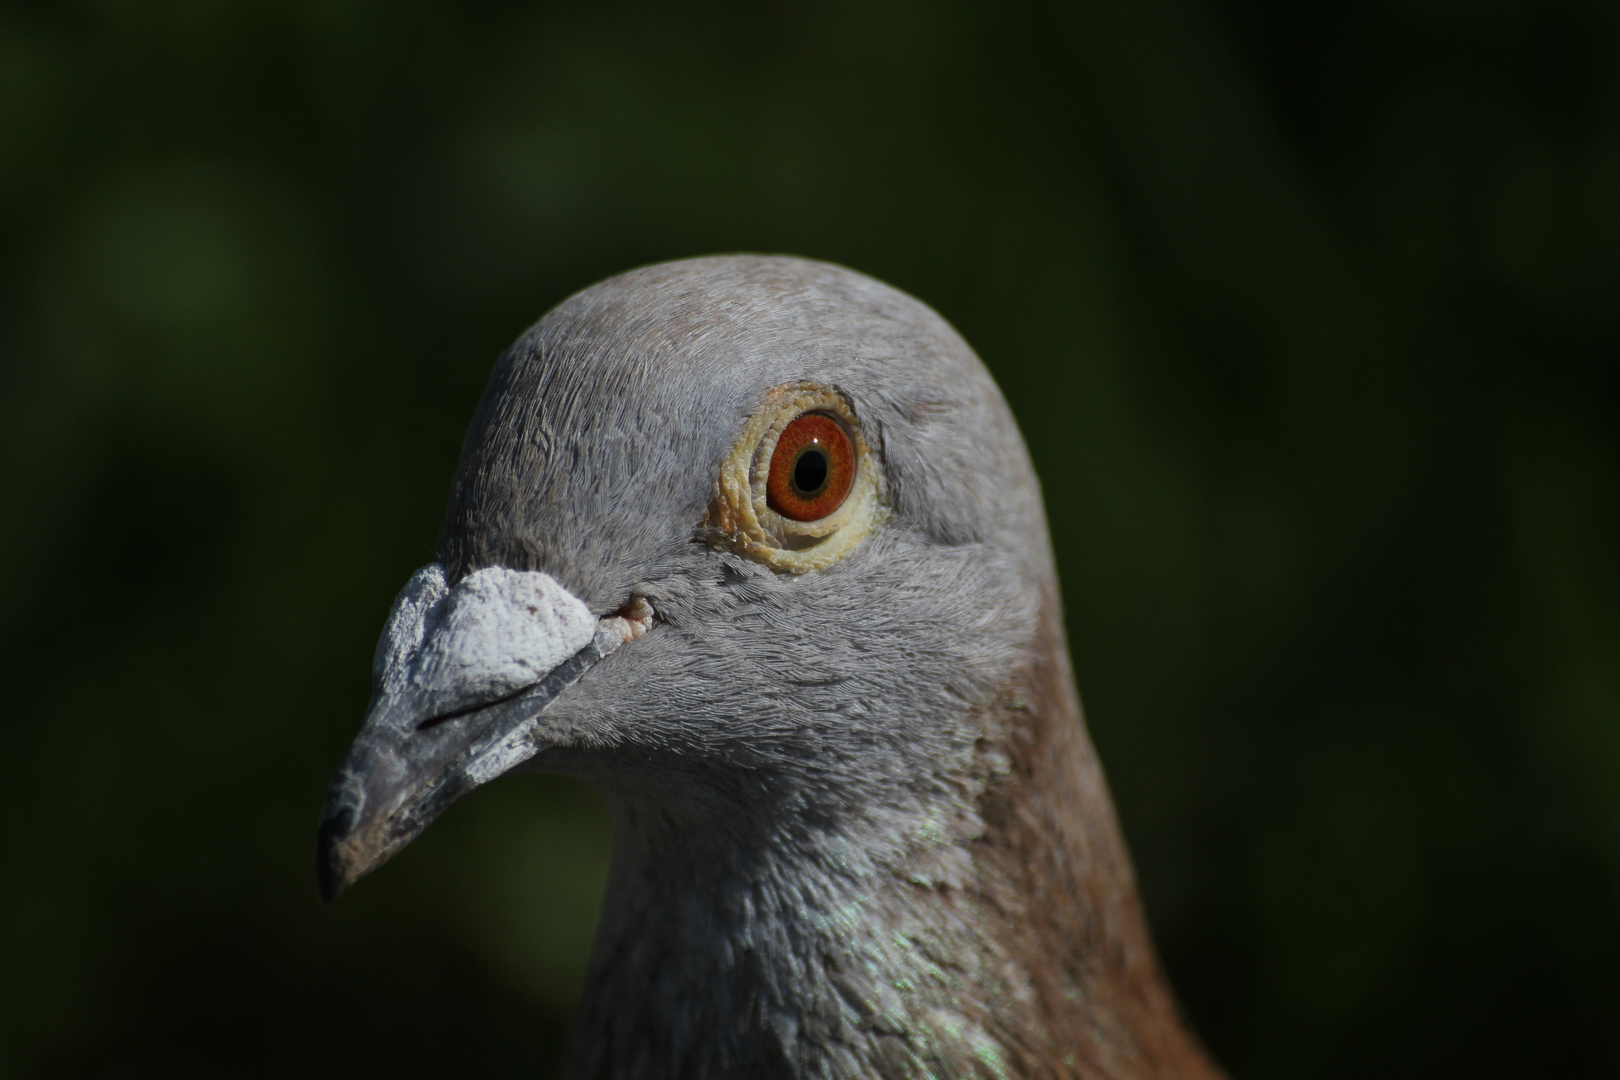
column 723, row 330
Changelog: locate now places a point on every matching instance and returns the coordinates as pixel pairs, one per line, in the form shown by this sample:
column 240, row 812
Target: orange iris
column 812, row 468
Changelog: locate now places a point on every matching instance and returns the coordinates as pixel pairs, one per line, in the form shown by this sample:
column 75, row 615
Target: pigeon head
column 615, row 481
column 753, row 545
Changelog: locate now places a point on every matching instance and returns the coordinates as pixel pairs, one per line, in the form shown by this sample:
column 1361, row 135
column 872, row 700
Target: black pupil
column 810, row 471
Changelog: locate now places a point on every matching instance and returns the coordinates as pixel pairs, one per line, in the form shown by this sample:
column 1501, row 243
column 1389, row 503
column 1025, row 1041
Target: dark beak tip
column 331, row 875
column 328, row 880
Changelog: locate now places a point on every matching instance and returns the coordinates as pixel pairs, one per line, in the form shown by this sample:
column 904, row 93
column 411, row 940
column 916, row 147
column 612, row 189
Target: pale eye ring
column 801, row 487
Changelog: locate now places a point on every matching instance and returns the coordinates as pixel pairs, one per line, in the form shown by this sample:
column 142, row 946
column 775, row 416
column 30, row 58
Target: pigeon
column 752, row 544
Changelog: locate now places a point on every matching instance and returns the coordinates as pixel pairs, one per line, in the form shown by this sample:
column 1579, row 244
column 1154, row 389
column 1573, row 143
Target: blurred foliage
column 1311, row 313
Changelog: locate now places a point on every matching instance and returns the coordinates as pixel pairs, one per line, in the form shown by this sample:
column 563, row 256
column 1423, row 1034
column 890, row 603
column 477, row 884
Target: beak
column 460, row 679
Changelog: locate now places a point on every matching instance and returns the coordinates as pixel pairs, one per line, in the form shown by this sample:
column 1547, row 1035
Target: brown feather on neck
column 1053, row 866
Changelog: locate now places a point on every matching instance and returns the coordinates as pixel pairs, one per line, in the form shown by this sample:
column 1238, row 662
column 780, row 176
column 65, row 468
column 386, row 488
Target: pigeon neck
column 997, row 936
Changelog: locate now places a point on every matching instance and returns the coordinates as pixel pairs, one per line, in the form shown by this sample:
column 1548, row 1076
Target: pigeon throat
column 996, row 933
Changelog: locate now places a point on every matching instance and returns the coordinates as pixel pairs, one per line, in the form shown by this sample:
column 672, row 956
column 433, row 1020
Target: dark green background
column 1311, row 315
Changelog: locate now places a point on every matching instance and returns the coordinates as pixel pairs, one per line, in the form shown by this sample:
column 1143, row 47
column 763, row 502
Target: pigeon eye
column 801, row 487
column 812, row 468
